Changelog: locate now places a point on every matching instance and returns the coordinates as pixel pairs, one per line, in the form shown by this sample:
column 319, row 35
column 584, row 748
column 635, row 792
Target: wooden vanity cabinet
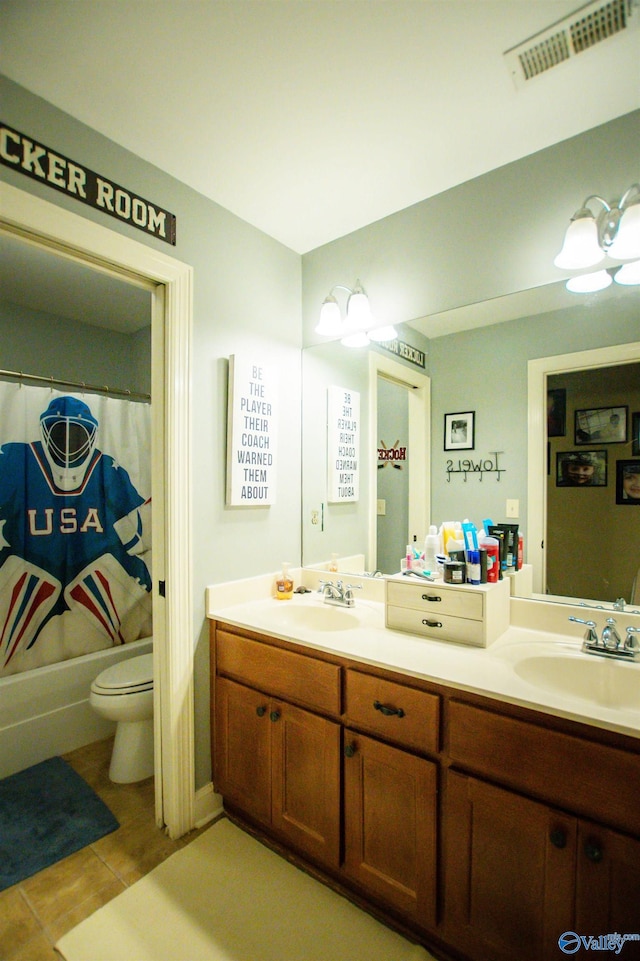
column 391, row 794
column 276, row 762
column 486, row 829
column 520, row 870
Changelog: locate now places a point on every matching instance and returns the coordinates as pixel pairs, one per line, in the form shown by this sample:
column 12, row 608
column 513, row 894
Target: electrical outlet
column 315, row 517
column 382, row 508
column 513, row 508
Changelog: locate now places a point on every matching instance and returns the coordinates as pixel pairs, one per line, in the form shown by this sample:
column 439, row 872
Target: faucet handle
column 590, row 635
column 632, row 644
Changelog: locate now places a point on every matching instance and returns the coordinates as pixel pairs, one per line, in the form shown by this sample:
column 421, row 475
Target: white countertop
column 490, row 671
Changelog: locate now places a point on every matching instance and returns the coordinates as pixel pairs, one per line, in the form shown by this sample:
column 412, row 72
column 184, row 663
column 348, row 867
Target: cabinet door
column 306, row 781
column 390, row 825
column 509, row 873
column 608, row 885
column 242, row 748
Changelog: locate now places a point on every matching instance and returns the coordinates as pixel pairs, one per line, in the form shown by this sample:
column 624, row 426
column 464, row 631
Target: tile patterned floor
column 36, row 912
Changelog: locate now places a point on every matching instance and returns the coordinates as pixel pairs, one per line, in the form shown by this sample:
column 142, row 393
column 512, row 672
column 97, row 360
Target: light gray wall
column 36, row 342
column 485, row 238
column 247, row 295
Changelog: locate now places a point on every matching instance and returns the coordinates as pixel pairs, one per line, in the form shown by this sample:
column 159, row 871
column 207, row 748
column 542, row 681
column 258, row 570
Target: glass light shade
column 581, row 247
column 589, row 283
column 629, row 274
column 626, row 246
column 330, row 323
column 383, row 334
column 359, row 339
column 358, row 309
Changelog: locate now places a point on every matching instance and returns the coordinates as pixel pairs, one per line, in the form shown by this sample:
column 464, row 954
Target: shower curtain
column 75, row 524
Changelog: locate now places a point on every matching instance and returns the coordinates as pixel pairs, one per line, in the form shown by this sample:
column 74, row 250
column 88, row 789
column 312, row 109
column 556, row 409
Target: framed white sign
column 251, row 433
column 343, row 444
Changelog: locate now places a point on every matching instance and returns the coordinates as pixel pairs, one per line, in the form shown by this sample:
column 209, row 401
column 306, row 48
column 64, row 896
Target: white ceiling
column 312, row 118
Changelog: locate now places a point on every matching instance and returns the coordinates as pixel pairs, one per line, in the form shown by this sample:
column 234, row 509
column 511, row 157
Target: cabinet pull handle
column 275, row 715
column 261, row 711
column 593, row 851
column 349, row 750
column 432, row 598
column 558, row 838
column 388, row 711
column 428, row 623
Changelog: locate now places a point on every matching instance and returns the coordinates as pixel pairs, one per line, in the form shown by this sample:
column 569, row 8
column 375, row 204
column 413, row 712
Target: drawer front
column 295, row 677
column 588, row 778
column 394, row 711
column 436, row 599
column 432, row 623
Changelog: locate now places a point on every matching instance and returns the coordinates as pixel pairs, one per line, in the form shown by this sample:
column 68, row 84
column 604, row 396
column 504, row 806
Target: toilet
column 124, row 693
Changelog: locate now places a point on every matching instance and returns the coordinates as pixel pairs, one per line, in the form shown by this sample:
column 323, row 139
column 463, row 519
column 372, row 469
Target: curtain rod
column 77, row 385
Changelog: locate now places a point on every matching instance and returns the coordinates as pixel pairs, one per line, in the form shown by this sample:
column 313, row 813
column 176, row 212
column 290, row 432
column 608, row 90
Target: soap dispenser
column 431, row 548
column 284, row 584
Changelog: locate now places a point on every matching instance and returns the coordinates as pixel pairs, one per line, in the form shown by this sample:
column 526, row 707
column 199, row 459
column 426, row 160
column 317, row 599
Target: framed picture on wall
column 601, row 425
column 628, row 482
column 459, row 431
column 581, row 468
column 635, row 433
column 556, row 412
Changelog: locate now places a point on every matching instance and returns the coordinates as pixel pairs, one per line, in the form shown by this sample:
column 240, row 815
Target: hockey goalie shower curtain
column 75, row 524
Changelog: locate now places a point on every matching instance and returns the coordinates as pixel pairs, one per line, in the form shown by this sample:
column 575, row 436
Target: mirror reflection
column 491, row 358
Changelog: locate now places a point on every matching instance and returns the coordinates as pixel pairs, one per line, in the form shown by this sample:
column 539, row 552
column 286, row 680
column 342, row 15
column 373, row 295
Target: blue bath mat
column 46, row 813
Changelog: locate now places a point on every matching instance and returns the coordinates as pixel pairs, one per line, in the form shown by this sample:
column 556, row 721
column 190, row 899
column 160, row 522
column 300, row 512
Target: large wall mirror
column 554, row 331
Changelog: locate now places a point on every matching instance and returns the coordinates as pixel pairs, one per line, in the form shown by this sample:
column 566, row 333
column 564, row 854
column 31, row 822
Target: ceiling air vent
column 565, row 39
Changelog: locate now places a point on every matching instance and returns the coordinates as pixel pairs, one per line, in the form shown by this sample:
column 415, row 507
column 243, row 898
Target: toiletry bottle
column 492, row 547
column 408, row 558
column 333, row 563
column 520, row 551
column 431, row 548
column 284, row 584
column 473, row 567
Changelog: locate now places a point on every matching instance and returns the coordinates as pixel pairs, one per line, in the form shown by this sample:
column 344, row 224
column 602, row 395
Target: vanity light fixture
column 356, row 328
column 603, row 240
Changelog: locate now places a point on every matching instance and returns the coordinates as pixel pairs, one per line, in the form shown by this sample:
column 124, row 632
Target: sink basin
column 312, row 618
column 591, row 678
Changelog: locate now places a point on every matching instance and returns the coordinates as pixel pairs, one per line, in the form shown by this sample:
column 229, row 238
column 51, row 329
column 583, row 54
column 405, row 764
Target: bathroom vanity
column 426, row 780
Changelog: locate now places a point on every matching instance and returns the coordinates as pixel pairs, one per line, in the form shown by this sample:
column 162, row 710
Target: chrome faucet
column 339, row 594
column 610, row 644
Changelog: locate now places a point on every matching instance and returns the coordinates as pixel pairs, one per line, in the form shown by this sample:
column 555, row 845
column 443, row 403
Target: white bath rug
column 226, row 897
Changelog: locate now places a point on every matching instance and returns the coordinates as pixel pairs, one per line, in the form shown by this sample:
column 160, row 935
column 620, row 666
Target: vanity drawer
column 436, row 599
column 432, row 623
column 303, row 680
column 575, row 773
column 393, row 710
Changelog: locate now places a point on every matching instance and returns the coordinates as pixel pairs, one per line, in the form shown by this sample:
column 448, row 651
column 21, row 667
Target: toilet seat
column 132, row 676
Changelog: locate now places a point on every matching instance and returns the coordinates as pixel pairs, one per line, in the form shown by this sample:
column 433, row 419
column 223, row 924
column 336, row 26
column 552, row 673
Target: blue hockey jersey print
column 62, row 533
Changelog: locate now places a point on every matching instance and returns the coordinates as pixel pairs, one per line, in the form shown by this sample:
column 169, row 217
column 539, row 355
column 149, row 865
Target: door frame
column 418, row 386
column 171, row 282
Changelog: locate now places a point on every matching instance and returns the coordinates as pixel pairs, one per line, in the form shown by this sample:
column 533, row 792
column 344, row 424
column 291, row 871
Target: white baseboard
column 207, row 806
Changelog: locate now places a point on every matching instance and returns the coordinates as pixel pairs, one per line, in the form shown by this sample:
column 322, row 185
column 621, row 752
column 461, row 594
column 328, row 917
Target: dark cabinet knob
column 349, row 750
column 558, row 838
column 261, row 711
column 593, row 851
column 275, row 715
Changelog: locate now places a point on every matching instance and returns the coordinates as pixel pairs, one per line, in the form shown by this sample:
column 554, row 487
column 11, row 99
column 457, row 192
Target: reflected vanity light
column 602, row 240
column 357, row 328
column 628, row 275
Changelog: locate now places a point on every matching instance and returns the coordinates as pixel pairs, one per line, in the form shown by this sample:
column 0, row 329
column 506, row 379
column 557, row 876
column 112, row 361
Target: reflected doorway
column 393, row 475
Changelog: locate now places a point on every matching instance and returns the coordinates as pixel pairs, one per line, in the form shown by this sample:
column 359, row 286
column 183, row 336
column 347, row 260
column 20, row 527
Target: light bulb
column 626, row 245
column 358, row 309
column 589, row 283
column 629, row 274
column 330, row 322
column 383, row 334
column 581, row 247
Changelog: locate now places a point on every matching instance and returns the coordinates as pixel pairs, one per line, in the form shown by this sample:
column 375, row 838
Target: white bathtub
column 46, row 712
